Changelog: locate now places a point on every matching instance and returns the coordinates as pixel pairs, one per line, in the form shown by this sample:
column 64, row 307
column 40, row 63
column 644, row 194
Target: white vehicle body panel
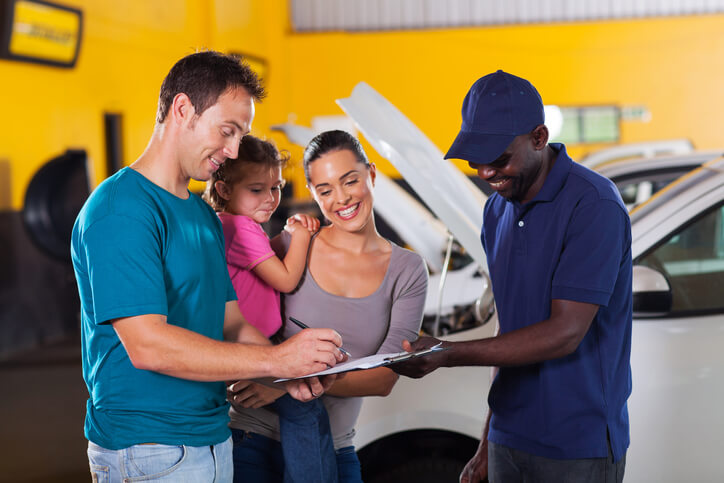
column 676, row 405
column 634, row 166
column 677, row 422
column 413, row 222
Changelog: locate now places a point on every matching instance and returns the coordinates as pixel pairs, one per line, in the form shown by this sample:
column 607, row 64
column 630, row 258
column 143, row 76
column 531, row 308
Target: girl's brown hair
column 252, row 152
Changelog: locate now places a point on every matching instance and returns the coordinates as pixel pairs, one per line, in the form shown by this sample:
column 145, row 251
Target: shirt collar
column 556, row 176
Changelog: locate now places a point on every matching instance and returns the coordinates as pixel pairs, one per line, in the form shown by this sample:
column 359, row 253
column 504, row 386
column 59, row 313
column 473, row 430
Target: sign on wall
column 40, row 31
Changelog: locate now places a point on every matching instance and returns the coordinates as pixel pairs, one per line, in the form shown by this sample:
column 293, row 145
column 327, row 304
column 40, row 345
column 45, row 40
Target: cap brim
column 478, row 148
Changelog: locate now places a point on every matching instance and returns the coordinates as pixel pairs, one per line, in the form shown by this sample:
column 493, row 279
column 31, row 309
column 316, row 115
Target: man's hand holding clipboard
column 417, row 367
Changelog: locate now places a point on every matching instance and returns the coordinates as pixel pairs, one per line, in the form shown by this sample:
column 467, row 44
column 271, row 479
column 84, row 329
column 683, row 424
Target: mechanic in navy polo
column 558, row 242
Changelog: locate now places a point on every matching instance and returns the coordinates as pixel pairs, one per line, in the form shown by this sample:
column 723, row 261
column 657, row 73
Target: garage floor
column 43, row 407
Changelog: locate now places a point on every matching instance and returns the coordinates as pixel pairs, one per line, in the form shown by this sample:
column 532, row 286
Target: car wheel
column 431, row 470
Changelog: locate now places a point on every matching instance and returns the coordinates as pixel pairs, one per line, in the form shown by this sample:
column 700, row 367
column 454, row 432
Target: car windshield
column 692, row 260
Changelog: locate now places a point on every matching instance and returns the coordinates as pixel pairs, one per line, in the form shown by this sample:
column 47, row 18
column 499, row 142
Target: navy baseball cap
column 496, row 109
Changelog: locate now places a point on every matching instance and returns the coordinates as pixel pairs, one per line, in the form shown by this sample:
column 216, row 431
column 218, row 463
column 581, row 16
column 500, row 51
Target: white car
column 639, row 178
column 637, row 150
column 427, row 429
column 678, row 332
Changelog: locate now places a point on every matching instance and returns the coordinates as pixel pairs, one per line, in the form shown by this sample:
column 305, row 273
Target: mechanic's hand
column 420, row 366
column 307, row 352
column 249, row 394
column 476, row 470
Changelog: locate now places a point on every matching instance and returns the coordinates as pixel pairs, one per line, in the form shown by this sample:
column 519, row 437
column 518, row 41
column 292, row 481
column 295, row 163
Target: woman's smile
column 348, row 212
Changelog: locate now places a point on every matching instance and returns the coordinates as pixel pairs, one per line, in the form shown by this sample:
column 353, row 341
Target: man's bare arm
column 239, row 329
column 153, row 344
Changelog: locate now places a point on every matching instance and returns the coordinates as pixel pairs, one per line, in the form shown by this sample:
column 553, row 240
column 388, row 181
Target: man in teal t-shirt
column 161, row 329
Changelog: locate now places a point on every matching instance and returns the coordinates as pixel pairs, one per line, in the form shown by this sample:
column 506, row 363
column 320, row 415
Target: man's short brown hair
column 203, row 77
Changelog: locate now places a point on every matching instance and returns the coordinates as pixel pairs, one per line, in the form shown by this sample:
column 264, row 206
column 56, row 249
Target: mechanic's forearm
column 486, row 423
column 539, row 342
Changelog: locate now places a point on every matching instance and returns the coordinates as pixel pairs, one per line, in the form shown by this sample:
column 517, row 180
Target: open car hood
column 444, row 188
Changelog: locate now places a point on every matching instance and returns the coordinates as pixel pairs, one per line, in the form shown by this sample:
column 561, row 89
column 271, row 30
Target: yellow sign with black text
column 44, row 32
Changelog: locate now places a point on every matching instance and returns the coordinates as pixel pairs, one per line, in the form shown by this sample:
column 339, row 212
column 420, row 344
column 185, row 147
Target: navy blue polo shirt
column 571, row 242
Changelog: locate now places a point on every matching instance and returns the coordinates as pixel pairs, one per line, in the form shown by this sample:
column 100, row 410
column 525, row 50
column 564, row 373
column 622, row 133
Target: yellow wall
column 672, row 66
column 127, row 48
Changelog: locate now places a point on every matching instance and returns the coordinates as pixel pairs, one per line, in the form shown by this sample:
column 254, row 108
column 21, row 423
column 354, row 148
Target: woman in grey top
column 362, row 285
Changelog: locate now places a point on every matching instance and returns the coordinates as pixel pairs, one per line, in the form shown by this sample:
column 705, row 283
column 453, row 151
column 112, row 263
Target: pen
column 305, row 326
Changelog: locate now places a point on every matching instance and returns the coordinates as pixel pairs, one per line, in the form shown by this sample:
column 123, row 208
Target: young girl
column 245, row 192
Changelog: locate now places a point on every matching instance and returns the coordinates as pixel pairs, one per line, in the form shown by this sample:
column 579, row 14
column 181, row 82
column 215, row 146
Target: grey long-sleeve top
column 377, row 323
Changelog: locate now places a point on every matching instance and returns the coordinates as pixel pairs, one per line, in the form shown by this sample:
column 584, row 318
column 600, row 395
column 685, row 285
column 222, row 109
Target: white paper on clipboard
column 370, row 362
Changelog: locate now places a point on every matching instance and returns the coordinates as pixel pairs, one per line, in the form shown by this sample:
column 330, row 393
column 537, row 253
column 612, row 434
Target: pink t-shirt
column 247, row 246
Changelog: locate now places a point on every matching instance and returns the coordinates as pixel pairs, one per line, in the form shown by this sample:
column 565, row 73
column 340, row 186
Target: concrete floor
column 43, row 408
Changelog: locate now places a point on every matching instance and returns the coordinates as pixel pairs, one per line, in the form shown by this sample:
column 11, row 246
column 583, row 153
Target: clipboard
column 370, row 362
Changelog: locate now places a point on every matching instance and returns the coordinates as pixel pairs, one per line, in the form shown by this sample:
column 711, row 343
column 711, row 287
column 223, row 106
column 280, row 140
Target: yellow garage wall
column 262, row 30
column 673, row 66
column 127, row 48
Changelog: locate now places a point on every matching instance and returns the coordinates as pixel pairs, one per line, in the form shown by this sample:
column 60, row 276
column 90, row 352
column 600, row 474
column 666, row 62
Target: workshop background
column 79, row 82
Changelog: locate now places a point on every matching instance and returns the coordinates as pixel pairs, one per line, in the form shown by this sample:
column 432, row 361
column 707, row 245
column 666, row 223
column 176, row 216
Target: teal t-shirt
column 137, row 249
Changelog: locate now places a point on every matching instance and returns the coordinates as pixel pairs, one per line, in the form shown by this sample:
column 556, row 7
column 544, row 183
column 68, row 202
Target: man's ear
column 540, row 137
column 181, row 109
column 223, row 190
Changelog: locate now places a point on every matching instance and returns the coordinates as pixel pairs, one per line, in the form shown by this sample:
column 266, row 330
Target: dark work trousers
column 507, row 465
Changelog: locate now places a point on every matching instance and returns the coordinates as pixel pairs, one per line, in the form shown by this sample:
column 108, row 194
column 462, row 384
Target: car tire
column 53, row 199
column 430, row 470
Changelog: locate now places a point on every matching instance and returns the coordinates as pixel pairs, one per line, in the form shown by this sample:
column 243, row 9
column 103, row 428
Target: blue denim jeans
column 258, row 459
column 508, row 465
column 348, row 465
column 160, row 462
column 306, row 438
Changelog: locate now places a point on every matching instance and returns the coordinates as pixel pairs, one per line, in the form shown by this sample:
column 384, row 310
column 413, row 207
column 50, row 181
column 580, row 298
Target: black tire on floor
column 430, row 470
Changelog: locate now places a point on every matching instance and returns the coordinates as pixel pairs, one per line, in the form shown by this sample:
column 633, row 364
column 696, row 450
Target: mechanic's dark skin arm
column 555, row 337
column 476, row 470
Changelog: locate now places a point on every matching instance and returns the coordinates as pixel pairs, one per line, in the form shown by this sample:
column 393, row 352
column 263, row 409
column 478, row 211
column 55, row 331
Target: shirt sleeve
column 248, row 245
column 408, row 305
column 594, row 248
column 125, row 268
